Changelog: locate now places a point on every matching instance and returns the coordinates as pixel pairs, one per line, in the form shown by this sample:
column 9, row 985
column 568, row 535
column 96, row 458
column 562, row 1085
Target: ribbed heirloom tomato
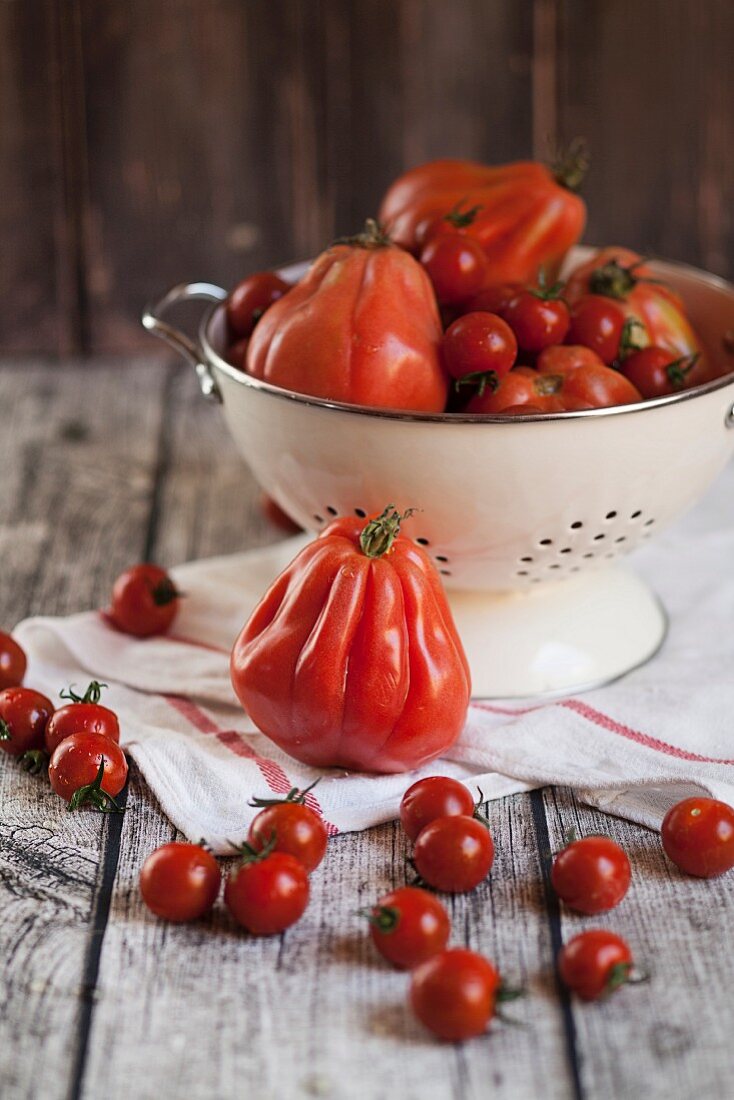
column 352, row 659
column 362, row 326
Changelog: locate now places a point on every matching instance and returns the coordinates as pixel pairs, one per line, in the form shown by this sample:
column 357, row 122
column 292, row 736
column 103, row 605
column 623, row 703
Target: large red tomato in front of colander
column 352, row 659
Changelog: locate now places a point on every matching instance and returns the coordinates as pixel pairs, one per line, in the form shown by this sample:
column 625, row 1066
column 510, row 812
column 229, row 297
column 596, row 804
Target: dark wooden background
column 150, row 141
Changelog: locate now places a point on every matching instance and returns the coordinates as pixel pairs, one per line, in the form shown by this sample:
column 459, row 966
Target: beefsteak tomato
column 525, row 215
column 352, row 659
column 362, row 326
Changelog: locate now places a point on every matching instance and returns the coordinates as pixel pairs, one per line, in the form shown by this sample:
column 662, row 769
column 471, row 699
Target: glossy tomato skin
column 479, row 344
column 408, row 926
column 24, row 714
column 527, row 220
column 180, row 882
column 456, row 266
column 81, row 718
column 564, row 389
column 75, row 763
column 597, row 323
column 294, row 828
column 656, row 371
column 454, row 994
column 698, row 836
column 432, row 797
column 536, row 321
column 594, row 963
column 493, row 298
column 561, row 358
column 12, row 662
column 144, row 601
column 269, row 895
column 362, row 326
column 591, row 874
column 237, row 353
column 454, row 854
column 352, row 660
column 249, row 300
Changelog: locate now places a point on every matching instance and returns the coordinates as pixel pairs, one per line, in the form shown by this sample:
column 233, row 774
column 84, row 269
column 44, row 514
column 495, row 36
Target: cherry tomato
column 88, row 769
column 594, row 963
column 454, row 994
column 538, row 319
column 597, row 323
column 237, row 353
column 494, row 298
column 479, row 347
column 565, row 357
column 592, row 874
column 432, row 797
column 291, row 827
column 408, row 926
column 277, row 516
column 249, row 300
column 180, row 882
column 563, row 391
column 23, row 717
column 84, row 714
column 12, row 662
column 145, row 601
column 456, row 266
column 656, row 371
column 454, row 853
column 458, row 220
column 267, row 895
column 698, row 835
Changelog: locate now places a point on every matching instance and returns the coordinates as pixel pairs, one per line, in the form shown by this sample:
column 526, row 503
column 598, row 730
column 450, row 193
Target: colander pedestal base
column 558, row 638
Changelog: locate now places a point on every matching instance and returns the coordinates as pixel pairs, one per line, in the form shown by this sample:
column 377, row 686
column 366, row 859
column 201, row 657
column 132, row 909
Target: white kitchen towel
column 663, row 732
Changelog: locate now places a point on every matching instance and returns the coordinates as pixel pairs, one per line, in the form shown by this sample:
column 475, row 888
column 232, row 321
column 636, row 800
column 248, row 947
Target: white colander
column 525, row 517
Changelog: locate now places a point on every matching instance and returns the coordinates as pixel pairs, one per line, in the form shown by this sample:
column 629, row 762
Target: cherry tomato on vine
column 479, row 347
column 657, row 372
column 288, row 825
column 408, row 926
column 538, row 318
column 458, row 220
column 180, row 882
column 565, row 357
column 432, row 797
column 454, row 854
column 249, row 300
column 597, row 323
column 84, row 714
column 698, row 835
column 494, row 298
column 454, row 994
column 595, row 963
column 145, row 601
column 456, row 266
column 88, row 769
column 23, row 717
column 268, row 892
column 12, row 662
column 591, row 874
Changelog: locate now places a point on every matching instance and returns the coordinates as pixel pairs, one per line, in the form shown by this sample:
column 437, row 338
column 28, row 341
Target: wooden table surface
column 104, row 465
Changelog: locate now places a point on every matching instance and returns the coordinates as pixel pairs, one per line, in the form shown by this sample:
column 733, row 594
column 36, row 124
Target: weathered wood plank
column 78, row 457
column 669, row 1036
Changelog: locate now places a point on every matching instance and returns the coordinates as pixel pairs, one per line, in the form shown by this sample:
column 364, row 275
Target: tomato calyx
column 91, row 794
column 165, row 592
column 677, row 372
column 553, row 293
column 249, row 854
column 5, row 731
column 614, row 280
column 571, row 164
column 385, row 918
column 459, row 218
column 627, row 342
column 380, row 533
column 479, row 378
column 34, row 761
column 373, row 235
column 295, row 796
column 477, row 815
column 91, row 695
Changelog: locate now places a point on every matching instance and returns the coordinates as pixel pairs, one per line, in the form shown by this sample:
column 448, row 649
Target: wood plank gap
column 545, row 82
column 100, row 916
column 163, row 461
column 553, row 911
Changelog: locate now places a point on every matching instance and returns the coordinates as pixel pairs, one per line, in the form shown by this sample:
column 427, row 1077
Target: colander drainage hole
column 423, row 542
column 649, row 522
column 555, row 565
column 611, row 515
column 445, row 572
column 546, row 542
column 622, row 538
column 566, row 550
column 522, row 573
column 576, row 525
column 588, row 555
column 360, row 512
column 526, row 558
column 319, row 519
column 331, row 509
column 440, row 557
column 598, row 538
column 636, row 515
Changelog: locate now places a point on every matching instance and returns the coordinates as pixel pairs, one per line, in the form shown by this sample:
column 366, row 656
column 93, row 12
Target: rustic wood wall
column 150, row 141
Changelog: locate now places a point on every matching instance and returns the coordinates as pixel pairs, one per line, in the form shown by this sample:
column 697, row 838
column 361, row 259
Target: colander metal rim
column 215, row 360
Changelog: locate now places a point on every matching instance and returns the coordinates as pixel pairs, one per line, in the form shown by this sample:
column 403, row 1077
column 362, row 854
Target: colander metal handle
column 153, row 320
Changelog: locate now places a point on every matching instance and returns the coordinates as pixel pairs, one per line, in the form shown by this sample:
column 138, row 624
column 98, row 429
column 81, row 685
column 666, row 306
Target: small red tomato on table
column 591, row 874
column 12, row 662
column 698, row 836
column 83, row 714
column 88, row 769
column 454, row 994
column 432, row 797
column 180, row 881
column 289, row 825
column 268, row 892
column 250, row 299
column 145, row 601
column 24, row 714
column 595, row 963
column 408, row 926
column 480, row 349
column 454, row 854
